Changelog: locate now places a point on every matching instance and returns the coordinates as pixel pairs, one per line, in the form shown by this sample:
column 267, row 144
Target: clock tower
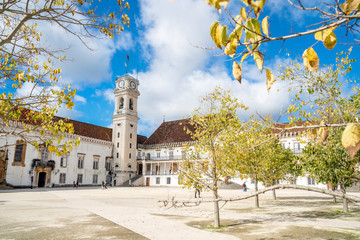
column 124, row 134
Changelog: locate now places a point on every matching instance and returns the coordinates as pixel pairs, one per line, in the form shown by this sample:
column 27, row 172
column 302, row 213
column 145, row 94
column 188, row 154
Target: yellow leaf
column 311, row 59
column 350, row 139
column 214, row 32
column 243, row 14
column 265, row 26
column 223, row 37
column 269, row 79
column 322, row 35
column 330, row 41
column 244, row 56
column 259, row 60
column 230, row 48
column 237, row 72
column 349, row 6
column 223, row 3
column 253, row 30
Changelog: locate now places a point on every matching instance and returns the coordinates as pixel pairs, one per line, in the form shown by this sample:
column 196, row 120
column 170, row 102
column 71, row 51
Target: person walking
column 197, row 190
column 244, row 187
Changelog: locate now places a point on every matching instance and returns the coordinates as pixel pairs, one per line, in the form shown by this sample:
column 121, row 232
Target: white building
column 113, row 155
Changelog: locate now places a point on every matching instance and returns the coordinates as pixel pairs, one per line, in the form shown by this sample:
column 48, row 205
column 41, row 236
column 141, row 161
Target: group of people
column 103, row 185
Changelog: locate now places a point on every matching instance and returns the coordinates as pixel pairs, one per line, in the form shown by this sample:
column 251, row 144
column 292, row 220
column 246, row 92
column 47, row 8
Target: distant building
column 114, row 155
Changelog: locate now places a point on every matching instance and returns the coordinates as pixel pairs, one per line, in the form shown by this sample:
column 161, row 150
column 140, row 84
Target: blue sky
column 174, row 74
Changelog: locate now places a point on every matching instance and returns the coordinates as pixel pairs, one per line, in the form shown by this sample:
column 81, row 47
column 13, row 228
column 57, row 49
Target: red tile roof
column 80, row 128
column 141, row 139
column 92, row 131
column 170, row 132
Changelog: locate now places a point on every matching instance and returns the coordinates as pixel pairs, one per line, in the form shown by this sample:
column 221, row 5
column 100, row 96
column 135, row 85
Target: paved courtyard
column 135, row 213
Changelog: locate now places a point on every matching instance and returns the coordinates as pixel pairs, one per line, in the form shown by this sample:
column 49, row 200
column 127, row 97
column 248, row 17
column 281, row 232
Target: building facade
column 117, row 156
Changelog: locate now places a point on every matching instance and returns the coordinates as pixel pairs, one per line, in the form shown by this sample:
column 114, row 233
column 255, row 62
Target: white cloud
column 80, row 99
column 179, row 74
column 108, row 94
column 31, row 90
column 83, row 66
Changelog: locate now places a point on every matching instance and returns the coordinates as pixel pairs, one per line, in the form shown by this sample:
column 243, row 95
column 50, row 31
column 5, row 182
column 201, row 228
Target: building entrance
column 140, row 169
column 42, row 177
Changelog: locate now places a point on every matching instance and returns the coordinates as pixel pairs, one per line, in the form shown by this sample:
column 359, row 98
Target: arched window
column 131, row 105
column 121, row 104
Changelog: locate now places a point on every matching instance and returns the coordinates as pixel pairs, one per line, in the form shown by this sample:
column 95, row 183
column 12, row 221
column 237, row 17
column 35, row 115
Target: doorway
column 147, row 181
column 140, row 169
column 42, row 177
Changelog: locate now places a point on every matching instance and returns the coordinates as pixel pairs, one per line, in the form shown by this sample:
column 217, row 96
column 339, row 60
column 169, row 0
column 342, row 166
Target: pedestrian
column 74, row 184
column 102, row 185
column 244, row 187
column 105, row 185
column 197, row 190
column 77, row 183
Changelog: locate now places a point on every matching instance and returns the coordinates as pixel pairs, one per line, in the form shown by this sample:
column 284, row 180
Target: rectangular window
column 96, row 162
column 62, row 177
column 95, row 179
column 118, row 134
column 44, row 154
column 168, row 180
column 108, row 164
column 297, row 146
column 18, row 152
column 130, row 145
column 158, row 154
column 157, row 180
column 19, row 155
column 283, row 145
column 63, row 160
column 81, row 160
column 117, row 155
column 171, row 154
column 130, row 135
column 129, row 155
column 80, row 178
column 117, row 145
column 311, row 181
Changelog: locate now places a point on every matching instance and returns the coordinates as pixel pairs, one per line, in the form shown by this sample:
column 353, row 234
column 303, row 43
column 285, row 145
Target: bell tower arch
column 125, row 120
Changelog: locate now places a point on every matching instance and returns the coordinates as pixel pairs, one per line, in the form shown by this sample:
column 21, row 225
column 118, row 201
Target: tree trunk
column 216, row 210
column 274, row 194
column 257, row 196
column 334, row 197
column 345, row 201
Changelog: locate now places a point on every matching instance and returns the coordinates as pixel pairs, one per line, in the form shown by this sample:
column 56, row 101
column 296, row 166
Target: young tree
column 329, row 163
column 250, row 149
column 27, row 63
column 207, row 161
column 279, row 164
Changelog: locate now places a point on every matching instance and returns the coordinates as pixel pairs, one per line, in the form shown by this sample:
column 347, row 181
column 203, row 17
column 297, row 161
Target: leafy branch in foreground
column 244, row 35
column 32, row 92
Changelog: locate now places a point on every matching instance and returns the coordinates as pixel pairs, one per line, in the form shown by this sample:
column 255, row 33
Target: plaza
column 136, row 213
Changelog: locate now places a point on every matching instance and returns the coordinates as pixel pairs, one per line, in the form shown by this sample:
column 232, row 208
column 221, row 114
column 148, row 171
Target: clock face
column 133, row 85
column 121, row 84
